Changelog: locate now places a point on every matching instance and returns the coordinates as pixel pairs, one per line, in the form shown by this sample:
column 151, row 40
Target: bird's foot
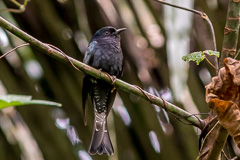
column 113, row 78
column 100, row 71
column 114, row 88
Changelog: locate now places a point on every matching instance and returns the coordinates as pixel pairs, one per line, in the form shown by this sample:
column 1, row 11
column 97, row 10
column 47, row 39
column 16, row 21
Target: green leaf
column 212, row 53
column 195, row 56
column 199, row 56
column 19, row 100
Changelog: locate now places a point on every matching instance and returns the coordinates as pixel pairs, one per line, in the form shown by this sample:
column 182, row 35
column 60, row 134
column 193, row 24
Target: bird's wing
column 121, row 70
column 89, row 53
column 86, row 87
column 85, row 90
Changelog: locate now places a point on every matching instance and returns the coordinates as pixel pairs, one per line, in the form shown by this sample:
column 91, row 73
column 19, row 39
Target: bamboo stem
column 231, row 31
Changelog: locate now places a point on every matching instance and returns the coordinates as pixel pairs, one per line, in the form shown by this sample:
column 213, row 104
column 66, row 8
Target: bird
column 105, row 54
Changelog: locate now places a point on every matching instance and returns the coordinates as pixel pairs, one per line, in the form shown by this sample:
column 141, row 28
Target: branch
column 45, row 48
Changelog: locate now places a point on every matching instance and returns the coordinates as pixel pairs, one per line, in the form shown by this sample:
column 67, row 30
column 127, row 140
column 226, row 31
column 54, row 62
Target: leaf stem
column 16, row 3
column 211, row 64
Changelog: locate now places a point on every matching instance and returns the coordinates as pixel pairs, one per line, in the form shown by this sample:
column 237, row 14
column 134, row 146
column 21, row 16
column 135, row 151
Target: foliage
column 223, row 95
column 199, row 56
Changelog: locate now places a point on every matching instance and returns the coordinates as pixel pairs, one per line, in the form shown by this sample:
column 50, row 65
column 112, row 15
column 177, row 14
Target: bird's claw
column 114, row 88
column 113, row 78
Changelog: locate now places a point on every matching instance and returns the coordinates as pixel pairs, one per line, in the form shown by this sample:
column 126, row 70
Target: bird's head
column 108, row 32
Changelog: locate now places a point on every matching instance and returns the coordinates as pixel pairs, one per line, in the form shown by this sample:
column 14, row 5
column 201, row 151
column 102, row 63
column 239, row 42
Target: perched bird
column 103, row 53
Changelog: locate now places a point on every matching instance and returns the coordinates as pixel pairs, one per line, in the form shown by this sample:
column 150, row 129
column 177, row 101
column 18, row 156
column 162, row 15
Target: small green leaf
column 212, row 53
column 195, row 56
column 199, row 56
column 19, row 100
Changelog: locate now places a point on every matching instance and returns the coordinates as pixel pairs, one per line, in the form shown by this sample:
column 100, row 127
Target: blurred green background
column 157, row 37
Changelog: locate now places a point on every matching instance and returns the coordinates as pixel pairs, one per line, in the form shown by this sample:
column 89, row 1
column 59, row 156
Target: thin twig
column 11, row 10
column 237, row 53
column 22, row 45
column 202, row 14
column 179, row 7
column 22, row 7
column 16, row 3
column 195, row 115
column 208, row 135
column 227, row 156
column 64, row 54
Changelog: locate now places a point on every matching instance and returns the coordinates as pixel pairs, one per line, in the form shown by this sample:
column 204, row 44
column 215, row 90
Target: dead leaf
column 223, row 95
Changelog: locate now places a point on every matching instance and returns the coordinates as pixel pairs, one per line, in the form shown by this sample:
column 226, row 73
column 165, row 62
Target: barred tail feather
column 100, row 142
column 102, row 103
column 107, row 144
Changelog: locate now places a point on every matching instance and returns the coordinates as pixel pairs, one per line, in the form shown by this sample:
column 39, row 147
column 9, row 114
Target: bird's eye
column 107, row 33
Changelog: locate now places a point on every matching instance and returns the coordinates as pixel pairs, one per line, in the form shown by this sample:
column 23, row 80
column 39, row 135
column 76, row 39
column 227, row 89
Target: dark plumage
column 104, row 52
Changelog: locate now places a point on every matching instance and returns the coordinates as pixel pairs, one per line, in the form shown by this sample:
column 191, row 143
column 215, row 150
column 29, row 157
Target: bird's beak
column 118, row 31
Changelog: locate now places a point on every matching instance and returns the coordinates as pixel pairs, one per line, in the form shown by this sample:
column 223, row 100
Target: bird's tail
column 100, row 142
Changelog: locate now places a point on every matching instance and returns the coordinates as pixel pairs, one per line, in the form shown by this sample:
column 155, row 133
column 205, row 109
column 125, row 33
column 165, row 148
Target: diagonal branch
column 45, row 48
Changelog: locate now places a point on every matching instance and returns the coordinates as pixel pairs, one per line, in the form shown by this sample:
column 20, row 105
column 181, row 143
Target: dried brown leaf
column 223, row 95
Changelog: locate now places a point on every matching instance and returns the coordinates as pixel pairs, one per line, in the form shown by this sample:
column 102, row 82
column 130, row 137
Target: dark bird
column 103, row 53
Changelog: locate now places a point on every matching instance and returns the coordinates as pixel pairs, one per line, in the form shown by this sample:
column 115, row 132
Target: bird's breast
column 109, row 58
